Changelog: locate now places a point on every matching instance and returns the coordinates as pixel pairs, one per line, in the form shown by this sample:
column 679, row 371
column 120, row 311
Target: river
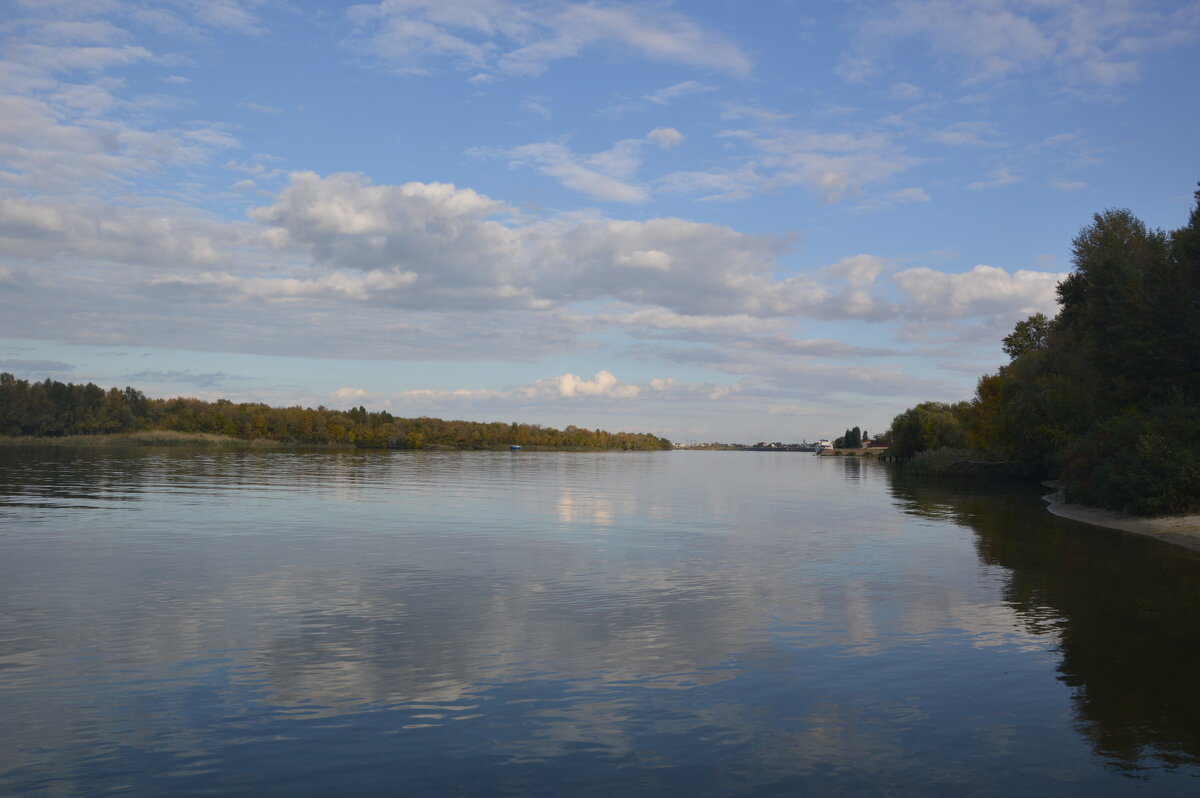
column 183, row 622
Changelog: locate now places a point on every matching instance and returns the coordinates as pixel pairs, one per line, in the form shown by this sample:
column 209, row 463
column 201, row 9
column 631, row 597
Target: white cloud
column 503, row 37
column 536, row 106
column 989, row 40
column 463, row 248
column 570, row 386
column 603, row 175
column 662, row 323
column 607, row 175
column 429, row 246
column 46, row 229
column 834, row 165
column 69, row 59
column 997, row 178
column 727, row 185
column 665, row 137
column 43, row 152
column 602, row 388
column 668, row 94
column 233, row 15
column 982, row 291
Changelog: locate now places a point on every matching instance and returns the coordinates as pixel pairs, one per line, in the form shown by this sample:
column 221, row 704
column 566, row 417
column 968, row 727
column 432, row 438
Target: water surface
column 670, row 623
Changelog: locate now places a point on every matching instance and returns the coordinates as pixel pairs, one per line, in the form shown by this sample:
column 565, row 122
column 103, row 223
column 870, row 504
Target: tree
column 929, row 425
column 853, row 439
column 1028, row 335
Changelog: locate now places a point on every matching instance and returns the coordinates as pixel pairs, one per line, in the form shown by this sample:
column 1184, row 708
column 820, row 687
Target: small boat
column 514, row 448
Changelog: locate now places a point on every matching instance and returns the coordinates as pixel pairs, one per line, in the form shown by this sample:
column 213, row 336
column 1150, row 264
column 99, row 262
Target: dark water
column 678, row 623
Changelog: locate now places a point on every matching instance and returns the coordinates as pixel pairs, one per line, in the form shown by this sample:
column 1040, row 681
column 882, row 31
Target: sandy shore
column 1181, row 530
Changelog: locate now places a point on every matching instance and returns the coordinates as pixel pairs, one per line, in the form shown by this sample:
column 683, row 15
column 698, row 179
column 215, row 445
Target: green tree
column 853, row 439
column 1028, row 335
column 929, row 425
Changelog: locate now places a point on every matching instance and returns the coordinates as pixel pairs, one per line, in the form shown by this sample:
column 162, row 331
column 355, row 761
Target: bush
column 1144, row 463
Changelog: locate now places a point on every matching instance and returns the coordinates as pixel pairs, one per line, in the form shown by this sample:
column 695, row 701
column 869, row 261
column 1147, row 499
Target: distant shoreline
column 1179, row 530
column 148, row 438
column 205, row 440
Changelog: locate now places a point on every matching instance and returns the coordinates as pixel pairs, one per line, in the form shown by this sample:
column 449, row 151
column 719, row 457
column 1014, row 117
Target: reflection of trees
column 1123, row 608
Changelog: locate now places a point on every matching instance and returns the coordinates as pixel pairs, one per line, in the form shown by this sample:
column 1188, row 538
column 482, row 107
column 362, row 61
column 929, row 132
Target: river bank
column 145, row 438
column 170, row 438
column 1179, row 530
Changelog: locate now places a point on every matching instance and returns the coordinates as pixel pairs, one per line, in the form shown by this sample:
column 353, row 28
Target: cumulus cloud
column 982, row 291
column 455, row 247
column 45, row 150
column 45, row 228
column 570, row 386
column 341, row 240
column 490, row 38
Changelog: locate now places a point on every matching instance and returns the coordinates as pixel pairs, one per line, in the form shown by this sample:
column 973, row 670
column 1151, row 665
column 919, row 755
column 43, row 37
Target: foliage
column 1140, row 462
column 1106, row 395
column 851, row 439
column 929, row 425
column 55, row 409
column 949, row 461
column 1029, row 334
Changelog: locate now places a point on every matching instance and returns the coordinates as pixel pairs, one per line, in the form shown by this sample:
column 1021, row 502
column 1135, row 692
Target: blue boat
column 514, row 448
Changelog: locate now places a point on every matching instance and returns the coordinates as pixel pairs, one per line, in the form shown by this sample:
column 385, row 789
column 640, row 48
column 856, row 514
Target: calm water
column 676, row 623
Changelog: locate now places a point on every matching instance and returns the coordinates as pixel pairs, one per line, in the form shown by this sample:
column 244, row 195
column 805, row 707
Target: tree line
column 1104, row 396
column 54, row 409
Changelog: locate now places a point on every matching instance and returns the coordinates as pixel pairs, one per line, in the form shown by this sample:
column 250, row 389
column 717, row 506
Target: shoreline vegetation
column 169, row 439
column 51, row 412
column 1104, row 397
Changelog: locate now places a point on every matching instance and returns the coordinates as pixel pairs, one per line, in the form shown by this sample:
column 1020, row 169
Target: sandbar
column 1180, row 530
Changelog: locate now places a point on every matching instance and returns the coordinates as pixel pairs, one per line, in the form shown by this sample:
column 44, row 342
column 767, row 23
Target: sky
column 714, row 221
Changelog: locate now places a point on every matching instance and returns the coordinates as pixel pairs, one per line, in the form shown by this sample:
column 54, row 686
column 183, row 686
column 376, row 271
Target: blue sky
column 730, row 221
